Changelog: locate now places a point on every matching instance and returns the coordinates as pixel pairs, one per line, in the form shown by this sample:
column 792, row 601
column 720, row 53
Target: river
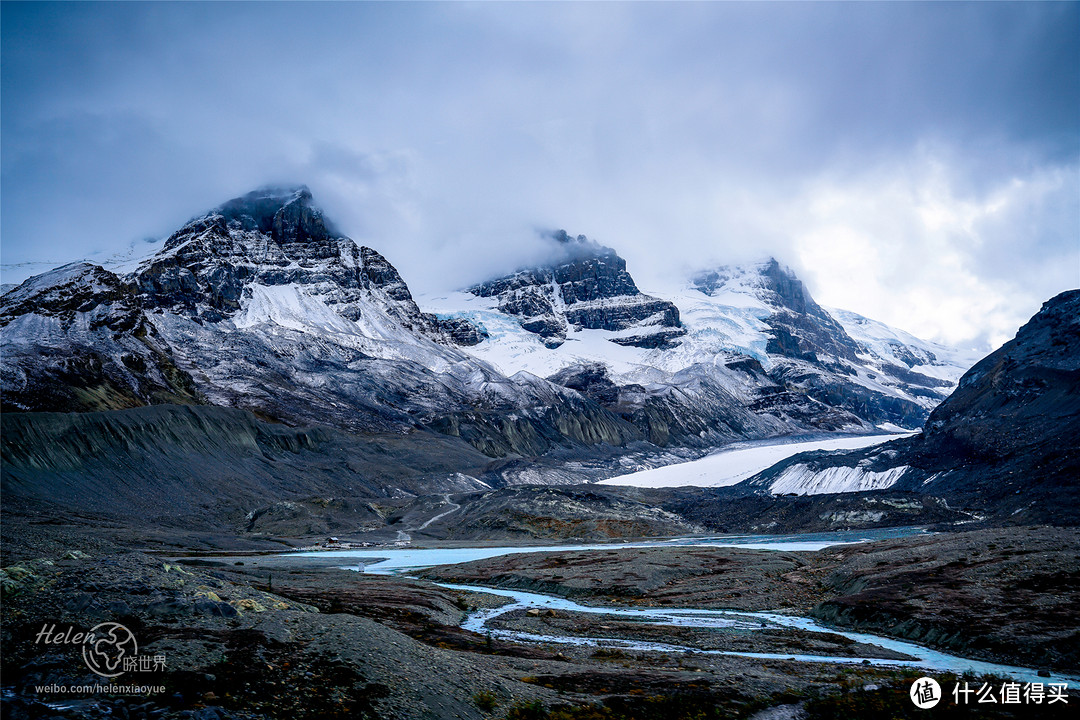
column 396, row 561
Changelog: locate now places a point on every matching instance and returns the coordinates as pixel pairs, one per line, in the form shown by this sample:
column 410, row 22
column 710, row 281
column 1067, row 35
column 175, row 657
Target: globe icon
column 105, row 648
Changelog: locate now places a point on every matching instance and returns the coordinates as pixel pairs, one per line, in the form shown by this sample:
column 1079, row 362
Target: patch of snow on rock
column 802, row 480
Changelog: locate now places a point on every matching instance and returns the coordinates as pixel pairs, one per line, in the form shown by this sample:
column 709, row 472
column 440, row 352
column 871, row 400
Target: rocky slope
column 1004, row 442
column 197, row 474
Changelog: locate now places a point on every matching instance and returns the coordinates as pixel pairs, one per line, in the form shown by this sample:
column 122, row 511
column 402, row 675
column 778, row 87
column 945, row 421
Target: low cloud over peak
column 917, row 163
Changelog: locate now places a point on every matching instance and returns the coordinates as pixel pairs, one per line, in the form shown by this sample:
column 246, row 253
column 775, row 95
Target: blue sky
column 915, row 162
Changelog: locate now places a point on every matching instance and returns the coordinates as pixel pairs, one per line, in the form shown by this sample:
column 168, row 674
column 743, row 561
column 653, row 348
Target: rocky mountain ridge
column 261, row 304
column 257, row 305
column 271, row 238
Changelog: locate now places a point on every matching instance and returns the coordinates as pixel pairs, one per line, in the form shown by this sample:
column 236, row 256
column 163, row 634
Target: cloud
column 961, row 266
column 443, row 135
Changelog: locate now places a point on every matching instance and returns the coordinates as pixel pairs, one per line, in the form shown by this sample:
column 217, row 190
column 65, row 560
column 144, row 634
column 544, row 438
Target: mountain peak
column 287, row 213
column 574, row 248
column 587, row 287
column 783, row 281
column 565, row 238
column 782, row 286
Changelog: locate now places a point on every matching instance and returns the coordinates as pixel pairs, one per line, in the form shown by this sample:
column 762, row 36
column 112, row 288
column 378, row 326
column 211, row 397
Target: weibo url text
column 96, row 689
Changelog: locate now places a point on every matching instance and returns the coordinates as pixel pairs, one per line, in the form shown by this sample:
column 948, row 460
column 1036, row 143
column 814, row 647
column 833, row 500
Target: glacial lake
column 396, row 560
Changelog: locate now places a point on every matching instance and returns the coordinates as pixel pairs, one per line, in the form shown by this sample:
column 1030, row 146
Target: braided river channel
column 398, row 561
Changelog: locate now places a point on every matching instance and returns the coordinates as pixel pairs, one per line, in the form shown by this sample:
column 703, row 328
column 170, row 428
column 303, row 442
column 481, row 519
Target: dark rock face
column 589, row 289
column 265, row 209
column 1013, row 422
column 288, row 215
column 1035, row 376
column 298, row 222
column 76, row 338
column 76, row 289
column 383, row 275
column 696, row 410
column 661, row 340
column 272, row 237
column 590, row 380
column 278, row 237
column 460, row 332
column 1004, row 443
column 909, row 358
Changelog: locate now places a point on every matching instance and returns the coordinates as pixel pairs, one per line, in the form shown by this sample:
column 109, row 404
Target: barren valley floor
column 266, row 635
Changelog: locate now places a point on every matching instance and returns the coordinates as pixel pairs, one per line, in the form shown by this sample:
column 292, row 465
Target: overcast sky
column 918, row 163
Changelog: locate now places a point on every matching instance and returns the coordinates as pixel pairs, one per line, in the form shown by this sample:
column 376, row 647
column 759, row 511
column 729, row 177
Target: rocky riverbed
column 1007, row 595
column 266, row 636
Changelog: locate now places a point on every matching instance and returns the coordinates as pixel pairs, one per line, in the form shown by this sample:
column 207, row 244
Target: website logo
column 106, row 647
column 925, row 693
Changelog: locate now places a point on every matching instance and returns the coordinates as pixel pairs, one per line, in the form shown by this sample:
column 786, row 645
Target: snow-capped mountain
column 259, row 304
column 587, row 289
column 1004, row 442
column 262, row 304
column 880, row 344
column 753, row 330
